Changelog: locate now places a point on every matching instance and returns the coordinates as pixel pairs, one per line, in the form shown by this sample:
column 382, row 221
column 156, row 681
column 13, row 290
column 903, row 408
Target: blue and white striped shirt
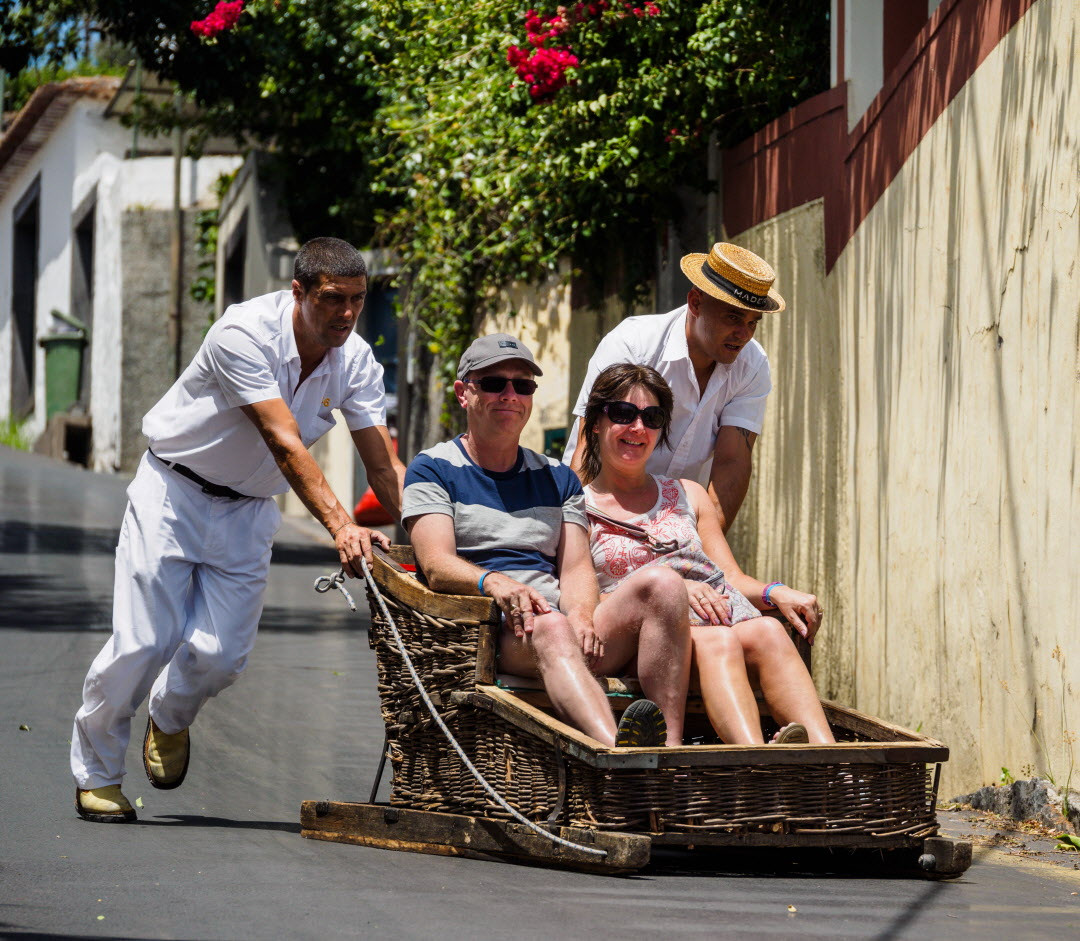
column 508, row 521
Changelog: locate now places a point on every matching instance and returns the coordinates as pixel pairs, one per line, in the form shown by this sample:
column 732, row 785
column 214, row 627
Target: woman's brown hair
column 612, row 385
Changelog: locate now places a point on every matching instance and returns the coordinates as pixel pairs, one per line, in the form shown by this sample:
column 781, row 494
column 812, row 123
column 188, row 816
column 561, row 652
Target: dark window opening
column 24, row 301
column 232, row 288
column 82, row 290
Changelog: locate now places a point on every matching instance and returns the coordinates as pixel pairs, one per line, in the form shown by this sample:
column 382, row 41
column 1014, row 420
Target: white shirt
column 250, row 356
column 734, row 395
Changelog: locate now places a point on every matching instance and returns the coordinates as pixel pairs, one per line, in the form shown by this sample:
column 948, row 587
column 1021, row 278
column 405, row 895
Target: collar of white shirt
column 675, row 347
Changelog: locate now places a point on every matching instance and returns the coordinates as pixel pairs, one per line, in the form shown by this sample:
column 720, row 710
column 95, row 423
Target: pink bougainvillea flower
column 224, row 16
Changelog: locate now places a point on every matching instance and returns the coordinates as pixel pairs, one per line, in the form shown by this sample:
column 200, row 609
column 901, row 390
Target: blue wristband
column 766, row 595
column 480, row 584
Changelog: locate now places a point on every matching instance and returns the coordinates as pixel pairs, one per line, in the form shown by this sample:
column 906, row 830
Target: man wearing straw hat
column 489, row 517
column 717, row 371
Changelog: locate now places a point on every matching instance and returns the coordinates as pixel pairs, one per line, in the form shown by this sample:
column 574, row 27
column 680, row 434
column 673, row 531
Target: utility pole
column 177, row 247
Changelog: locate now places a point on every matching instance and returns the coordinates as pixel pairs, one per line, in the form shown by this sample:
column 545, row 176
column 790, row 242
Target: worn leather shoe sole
column 104, row 805
column 165, row 757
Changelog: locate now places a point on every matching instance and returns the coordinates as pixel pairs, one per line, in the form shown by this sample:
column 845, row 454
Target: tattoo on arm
column 747, row 436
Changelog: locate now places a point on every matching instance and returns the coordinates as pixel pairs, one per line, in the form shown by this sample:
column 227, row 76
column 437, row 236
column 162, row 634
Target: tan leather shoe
column 104, row 805
column 165, row 757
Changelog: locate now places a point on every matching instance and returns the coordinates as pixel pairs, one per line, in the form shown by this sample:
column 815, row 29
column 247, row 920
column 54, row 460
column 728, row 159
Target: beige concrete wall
column 920, row 465
column 562, row 337
column 792, row 527
column 540, row 316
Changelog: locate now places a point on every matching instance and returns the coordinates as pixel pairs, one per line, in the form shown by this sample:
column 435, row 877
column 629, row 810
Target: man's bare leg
column 773, row 661
column 552, row 651
column 649, row 615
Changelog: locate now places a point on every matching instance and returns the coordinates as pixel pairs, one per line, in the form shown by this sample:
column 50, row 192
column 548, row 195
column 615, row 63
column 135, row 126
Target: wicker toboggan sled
column 875, row 789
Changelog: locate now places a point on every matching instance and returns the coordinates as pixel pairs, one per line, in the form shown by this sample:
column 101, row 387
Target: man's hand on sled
column 801, row 609
column 519, row 603
column 353, row 543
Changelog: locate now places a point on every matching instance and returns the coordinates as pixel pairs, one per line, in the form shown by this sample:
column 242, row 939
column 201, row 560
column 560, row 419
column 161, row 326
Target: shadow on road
column 18, row 537
column 195, row 820
column 50, row 603
column 787, row 863
column 40, row 936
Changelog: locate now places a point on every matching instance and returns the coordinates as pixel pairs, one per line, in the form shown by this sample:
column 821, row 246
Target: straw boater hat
column 735, row 275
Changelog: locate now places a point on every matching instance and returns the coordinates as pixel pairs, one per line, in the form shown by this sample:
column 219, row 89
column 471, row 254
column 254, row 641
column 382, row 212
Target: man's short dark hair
column 330, row 257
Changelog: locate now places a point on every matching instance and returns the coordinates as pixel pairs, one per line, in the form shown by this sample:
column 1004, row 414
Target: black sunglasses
column 495, row 384
column 624, row 413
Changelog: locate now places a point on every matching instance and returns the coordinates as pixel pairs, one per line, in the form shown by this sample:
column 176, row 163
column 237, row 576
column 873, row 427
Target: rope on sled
column 324, row 584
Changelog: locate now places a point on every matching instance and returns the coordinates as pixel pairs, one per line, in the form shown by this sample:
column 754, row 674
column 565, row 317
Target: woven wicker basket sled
column 875, row 789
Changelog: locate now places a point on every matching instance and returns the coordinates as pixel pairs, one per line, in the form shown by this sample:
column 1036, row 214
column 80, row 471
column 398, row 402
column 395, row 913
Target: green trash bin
column 63, row 364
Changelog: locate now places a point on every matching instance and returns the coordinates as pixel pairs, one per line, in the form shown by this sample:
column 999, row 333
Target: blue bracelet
column 765, row 595
column 480, row 584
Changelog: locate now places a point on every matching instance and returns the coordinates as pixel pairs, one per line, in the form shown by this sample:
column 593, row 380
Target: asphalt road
column 221, row 857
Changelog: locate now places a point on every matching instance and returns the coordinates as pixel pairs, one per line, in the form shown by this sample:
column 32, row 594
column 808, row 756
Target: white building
column 90, row 223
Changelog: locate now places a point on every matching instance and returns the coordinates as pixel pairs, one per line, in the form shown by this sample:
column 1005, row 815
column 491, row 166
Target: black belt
column 215, row 490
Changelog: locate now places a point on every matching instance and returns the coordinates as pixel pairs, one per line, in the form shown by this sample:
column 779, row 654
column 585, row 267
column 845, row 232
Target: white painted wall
column 863, row 40
column 87, row 150
column 863, row 33
column 81, row 138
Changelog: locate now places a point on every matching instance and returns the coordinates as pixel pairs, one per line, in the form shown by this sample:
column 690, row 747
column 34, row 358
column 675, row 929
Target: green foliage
column 12, row 435
column 488, row 185
column 402, row 124
column 48, row 42
column 22, row 86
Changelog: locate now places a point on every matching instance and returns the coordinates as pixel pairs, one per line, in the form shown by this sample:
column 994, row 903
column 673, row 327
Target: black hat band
column 747, row 297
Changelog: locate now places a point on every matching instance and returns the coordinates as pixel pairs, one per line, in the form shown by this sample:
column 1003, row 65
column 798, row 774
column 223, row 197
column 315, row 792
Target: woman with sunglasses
column 641, row 524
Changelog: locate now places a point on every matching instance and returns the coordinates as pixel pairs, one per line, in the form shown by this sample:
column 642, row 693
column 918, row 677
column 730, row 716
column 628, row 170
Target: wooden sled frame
column 874, row 789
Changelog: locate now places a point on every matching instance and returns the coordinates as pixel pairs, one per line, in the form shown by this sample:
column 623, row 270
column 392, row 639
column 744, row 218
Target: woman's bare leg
column 649, row 615
column 725, row 687
column 774, row 663
column 553, row 652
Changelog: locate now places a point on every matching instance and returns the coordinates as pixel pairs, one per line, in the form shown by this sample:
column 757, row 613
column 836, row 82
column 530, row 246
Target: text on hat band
column 747, row 297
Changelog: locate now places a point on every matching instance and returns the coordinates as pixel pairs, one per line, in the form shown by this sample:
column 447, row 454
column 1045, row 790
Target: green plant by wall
column 12, row 435
column 203, row 285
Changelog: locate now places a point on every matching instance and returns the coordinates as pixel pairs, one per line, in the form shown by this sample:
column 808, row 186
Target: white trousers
column 190, row 579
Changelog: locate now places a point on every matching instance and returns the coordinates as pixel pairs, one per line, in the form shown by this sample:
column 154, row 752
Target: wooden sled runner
column 875, row 789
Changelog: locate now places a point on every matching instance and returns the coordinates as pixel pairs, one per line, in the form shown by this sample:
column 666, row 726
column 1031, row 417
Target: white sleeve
column 241, row 364
column 364, row 402
column 747, row 409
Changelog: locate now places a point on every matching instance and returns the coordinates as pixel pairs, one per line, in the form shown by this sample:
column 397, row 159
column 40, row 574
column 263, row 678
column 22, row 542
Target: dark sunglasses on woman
column 624, row 413
column 495, row 384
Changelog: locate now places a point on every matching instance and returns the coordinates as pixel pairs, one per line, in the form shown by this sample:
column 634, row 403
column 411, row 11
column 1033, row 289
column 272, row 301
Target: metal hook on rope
column 324, row 584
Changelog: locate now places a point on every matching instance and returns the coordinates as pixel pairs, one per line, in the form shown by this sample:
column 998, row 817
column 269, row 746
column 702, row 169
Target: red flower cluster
column 545, row 69
column 225, row 16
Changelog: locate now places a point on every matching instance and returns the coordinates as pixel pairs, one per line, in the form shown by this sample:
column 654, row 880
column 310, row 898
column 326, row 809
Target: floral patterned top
column 617, row 554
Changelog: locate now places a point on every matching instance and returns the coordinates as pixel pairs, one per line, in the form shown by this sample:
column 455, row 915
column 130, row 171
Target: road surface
column 221, row 857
